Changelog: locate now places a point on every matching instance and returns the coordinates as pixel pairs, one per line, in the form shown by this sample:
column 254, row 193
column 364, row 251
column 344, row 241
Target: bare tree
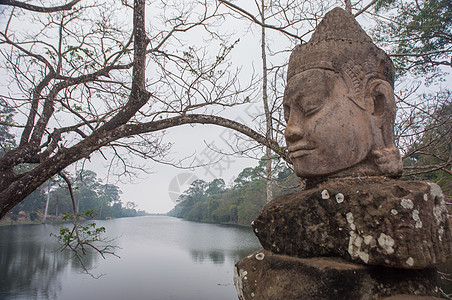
column 81, row 82
column 43, row 9
column 291, row 22
column 81, row 79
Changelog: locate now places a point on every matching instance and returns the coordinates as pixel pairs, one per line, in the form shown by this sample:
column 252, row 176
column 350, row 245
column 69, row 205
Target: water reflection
column 216, row 257
column 26, row 261
column 161, row 258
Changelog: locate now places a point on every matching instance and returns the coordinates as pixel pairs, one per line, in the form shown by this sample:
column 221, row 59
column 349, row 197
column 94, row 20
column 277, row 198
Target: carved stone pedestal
column 267, row 276
column 358, row 238
column 393, row 223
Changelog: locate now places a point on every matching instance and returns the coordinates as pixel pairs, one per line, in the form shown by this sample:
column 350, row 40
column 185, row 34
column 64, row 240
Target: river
column 160, row 258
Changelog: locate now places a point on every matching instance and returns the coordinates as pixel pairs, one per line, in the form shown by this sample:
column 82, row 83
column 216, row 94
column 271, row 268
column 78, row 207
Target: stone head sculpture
column 339, row 104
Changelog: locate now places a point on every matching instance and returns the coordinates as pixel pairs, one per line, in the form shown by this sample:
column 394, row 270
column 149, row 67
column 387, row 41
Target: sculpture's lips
column 299, row 151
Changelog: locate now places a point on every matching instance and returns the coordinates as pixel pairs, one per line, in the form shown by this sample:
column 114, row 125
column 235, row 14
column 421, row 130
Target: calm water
column 161, row 258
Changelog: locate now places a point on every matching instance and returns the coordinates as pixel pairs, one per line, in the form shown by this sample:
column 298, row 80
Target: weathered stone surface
column 410, row 297
column 391, row 223
column 267, row 276
column 339, row 104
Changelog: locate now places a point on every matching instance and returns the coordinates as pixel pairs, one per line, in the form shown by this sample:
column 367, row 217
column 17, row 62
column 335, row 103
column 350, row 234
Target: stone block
column 389, row 223
column 267, row 276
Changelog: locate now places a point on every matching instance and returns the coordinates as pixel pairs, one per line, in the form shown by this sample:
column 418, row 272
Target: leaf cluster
column 419, row 35
column 81, row 238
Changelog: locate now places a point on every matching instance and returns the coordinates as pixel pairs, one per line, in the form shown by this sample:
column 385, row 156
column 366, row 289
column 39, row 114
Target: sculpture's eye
column 312, row 108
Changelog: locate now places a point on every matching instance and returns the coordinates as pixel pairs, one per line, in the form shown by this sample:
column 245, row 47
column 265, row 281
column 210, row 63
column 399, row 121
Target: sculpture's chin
column 310, row 168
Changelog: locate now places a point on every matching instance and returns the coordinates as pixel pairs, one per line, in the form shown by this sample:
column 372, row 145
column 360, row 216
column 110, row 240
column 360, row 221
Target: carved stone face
column 326, row 131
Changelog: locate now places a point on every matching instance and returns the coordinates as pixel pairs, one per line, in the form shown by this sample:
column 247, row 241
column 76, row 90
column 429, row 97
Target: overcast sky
column 155, row 191
column 152, row 191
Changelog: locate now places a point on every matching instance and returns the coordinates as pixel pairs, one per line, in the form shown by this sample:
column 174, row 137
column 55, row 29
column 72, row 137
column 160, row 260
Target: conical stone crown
column 339, row 25
column 341, row 45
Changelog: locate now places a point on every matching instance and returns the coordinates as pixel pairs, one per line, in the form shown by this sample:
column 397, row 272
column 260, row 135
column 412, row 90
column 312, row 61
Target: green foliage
column 34, row 216
column 238, row 204
column 104, row 200
column 87, row 234
column 82, row 237
column 33, row 203
column 419, row 35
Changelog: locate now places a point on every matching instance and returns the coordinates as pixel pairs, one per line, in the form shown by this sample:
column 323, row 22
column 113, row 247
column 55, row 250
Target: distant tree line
column 238, row 204
column 89, row 195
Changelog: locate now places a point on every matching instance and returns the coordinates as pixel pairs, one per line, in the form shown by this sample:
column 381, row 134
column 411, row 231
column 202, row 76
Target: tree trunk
column 47, row 202
column 268, row 120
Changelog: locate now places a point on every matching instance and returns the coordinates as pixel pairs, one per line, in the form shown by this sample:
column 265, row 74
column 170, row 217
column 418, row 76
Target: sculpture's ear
column 381, row 107
column 380, row 98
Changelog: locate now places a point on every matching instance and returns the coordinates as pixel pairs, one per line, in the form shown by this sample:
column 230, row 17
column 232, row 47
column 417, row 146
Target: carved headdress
column 341, row 45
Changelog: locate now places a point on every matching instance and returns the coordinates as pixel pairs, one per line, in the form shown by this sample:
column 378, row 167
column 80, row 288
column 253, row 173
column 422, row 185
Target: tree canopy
column 419, row 35
column 110, row 77
column 238, row 204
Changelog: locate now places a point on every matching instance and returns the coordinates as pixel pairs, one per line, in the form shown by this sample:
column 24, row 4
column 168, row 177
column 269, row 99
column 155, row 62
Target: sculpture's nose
column 294, row 131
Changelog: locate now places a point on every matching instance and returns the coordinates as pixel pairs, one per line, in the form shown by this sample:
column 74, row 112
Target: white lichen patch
column 339, row 198
column 351, row 242
column 440, row 210
column 368, row 239
column 260, row 256
column 410, row 261
column 435, row 190
column 440, row 233
column 350, row 220
column 394, row 211
column 437, row 213
column 355, row 244
column 364, row 256
column 407, row 203
column 325, row 195
column 238, row 275
column 386, row 242
column 358, row 241
column 417, row 219
column 349, row 217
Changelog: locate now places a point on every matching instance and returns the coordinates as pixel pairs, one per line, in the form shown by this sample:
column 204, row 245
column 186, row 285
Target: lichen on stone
column 410, row 261
column 260, row 256
column 364, row 256
column 368, row 239
column 407, row 203
column 417, row 219
column 339, row 198
column 386, row 242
